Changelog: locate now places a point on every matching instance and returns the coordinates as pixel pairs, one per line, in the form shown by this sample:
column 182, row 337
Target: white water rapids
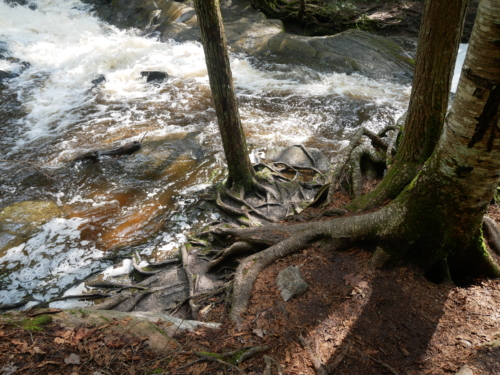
column 138, row 200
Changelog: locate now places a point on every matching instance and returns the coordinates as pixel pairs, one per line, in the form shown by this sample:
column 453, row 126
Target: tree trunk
column 221, row 84
column 302, row 9
column 435, row 222
column 443, row 206
column 440, row 32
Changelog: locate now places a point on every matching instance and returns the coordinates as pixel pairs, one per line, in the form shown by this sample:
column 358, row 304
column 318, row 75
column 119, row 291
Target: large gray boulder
column 249, row 32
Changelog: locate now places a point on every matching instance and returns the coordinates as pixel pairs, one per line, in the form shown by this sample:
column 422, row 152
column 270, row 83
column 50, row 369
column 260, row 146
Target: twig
column 251, row 352
column 192, row 363
column 213, row 359
column 144, row 136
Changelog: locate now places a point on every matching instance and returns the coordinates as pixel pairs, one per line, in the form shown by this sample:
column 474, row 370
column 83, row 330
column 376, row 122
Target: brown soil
column 388, row 321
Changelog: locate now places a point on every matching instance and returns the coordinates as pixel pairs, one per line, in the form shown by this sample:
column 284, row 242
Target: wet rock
column 7, row 75
column 147, row 15
column 21, row 219
column 127, row 149
column 17, row 2
column 153, row 76
column 99, row 79
column 296, row 156
column 290, row 283
column 3, row 50
column 249, row 31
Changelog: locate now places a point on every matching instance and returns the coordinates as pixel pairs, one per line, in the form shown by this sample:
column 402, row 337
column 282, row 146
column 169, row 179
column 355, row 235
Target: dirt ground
column 386, row 321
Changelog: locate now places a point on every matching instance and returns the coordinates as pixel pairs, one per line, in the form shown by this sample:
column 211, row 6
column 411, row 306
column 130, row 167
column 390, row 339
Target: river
column 52, row 112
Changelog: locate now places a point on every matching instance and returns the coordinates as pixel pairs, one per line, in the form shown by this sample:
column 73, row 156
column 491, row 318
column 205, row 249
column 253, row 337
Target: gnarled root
column 236, row 248
column 351, row 157
column 492, row 233
column 191, row 281
column 250, row 268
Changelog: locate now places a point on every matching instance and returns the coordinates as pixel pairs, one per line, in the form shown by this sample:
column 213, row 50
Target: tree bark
column 436, row 220
column 302, row 9
column 221, row 84
column 440, row 32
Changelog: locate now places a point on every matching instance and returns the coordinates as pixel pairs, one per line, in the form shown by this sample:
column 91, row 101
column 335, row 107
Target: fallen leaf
column 73, row 359
column 37, row 350
column 259, row 332
column 199, row 369
column 59, row 340
column 47, row 363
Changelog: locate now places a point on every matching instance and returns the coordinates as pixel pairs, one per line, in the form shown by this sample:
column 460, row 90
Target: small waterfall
column 52, row 112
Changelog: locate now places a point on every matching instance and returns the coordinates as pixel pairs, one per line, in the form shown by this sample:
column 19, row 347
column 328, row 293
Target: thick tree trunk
column 221, row 84
column 436, row 220
column 440, row 32
column 444, row 205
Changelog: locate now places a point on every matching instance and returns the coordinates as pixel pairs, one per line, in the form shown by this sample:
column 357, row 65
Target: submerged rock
column 99, row 79
column 154, row 76
column 21, row 219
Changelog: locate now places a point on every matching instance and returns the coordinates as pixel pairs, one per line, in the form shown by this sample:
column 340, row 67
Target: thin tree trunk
column 302, row 9
column 440, row 32
column 221, row 84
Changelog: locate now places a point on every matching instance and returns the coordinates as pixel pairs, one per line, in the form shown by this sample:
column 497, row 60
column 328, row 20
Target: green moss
column 34, row 324
column 213, row 355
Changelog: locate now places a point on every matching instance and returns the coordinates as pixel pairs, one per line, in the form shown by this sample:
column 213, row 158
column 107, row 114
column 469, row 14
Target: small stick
column 213, row 359
column 143, row 137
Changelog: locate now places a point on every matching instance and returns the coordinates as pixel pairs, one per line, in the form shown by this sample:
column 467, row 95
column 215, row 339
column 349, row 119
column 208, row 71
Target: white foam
column 462, row 52
column 51, row 260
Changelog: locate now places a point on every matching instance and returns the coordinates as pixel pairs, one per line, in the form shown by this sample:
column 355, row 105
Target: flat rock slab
column 290, row 283
column 296, row 156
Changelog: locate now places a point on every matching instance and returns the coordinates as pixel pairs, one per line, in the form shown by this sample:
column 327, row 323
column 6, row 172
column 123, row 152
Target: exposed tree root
column 271, row 364
column 236, row 248
column 492, row 233
column 252, row 209
column 208, row 357
column 112, row 302
column 319, row 367
column 191, row 281
column 355, row 164
column 105, row 285
column 351, row 157
column 140, row 270
column 250, row 268
column 236, row 212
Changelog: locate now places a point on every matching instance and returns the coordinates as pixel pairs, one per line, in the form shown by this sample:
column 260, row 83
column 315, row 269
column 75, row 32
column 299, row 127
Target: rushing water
column 54, row 112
